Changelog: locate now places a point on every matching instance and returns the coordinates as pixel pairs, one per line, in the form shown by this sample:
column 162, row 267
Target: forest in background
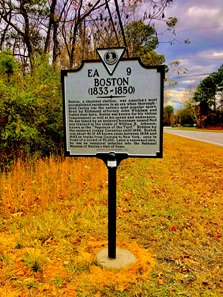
column 203, row 105
column 39, row 38
column 69, row 31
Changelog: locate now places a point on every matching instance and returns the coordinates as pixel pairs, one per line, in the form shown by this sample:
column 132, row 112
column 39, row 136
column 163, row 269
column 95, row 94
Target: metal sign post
column 112, row 212
column 112, row 161
column 112, row 166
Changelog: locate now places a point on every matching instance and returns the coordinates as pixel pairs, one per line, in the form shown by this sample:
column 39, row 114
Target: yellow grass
column 169, row 214
column 36, row 185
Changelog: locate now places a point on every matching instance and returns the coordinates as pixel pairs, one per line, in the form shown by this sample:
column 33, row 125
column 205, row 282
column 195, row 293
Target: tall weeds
column 44, row 183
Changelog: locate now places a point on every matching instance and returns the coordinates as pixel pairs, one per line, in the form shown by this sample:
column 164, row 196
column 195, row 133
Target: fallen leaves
column 160, row 279
column 217, row 235
column 119, row 279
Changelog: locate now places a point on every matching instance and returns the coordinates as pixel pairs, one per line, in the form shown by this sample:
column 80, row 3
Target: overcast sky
column 200, row 21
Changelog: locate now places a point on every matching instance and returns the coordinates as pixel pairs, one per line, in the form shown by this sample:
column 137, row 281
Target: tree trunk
column 51, row 21
column 26, row 35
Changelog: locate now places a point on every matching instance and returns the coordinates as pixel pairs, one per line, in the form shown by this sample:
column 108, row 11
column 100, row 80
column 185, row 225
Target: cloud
column 212, row 53
column 202, row 12
column 200, row 21
column 175, row 97
column 218, row 54
column 188, row 82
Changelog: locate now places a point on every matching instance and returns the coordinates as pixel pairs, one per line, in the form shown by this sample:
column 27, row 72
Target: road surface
column 210, row 137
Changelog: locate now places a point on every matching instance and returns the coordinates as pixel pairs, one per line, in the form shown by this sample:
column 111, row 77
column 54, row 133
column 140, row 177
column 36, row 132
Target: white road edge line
column 202, row 140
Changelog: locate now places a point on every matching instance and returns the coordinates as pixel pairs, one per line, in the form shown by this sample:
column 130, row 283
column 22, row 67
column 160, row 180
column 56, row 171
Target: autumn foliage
column 54, row 221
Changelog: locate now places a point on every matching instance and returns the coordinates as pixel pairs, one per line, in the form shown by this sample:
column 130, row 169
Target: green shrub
column 31, row 120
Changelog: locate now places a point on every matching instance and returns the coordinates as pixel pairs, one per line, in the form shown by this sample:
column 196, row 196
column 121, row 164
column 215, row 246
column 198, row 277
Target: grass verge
column 54, row 221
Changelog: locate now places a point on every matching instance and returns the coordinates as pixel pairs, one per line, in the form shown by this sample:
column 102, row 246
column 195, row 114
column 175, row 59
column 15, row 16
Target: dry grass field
column 53, row 220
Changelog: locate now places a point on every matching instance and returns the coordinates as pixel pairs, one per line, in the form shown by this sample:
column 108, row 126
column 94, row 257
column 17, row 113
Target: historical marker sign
column 113, row 105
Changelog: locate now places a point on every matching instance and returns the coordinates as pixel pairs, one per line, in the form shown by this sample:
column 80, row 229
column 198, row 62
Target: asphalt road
column 210, row 137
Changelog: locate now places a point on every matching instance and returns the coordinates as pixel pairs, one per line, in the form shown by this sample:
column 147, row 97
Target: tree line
column 204, row 105
column 38, row 38
column 70, row 31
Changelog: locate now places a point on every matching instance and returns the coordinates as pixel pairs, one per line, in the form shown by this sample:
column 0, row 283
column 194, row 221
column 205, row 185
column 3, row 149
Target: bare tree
column 22, row 27
column 70, row 30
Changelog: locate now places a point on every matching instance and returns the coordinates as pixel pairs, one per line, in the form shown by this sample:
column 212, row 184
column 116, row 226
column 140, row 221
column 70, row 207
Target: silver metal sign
column 113, row 105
